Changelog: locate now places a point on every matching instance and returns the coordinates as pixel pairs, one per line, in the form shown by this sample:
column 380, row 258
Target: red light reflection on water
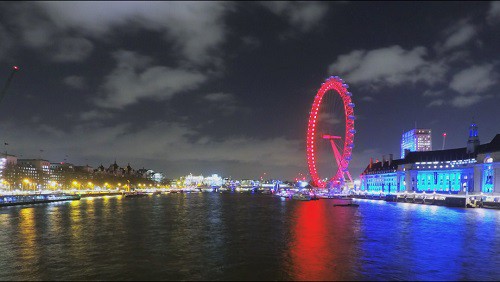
column 323, row 240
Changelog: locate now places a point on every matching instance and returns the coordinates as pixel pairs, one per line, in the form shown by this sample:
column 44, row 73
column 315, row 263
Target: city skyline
column 226, row 87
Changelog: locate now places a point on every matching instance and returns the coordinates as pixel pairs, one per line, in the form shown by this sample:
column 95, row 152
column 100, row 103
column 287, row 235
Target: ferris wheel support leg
column 349, row 175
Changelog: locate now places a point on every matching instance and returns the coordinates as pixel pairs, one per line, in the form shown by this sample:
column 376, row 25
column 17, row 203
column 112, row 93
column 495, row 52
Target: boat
column 301, row 197
column 344, row 202
column 266, row 191
column 14, row 200
column 135, row 195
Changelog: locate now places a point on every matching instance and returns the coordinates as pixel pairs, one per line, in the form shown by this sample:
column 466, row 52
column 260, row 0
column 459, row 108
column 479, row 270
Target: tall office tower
column 416, row 140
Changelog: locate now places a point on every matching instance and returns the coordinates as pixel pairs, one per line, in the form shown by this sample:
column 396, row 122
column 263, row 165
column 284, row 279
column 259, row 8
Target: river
column 236, row 236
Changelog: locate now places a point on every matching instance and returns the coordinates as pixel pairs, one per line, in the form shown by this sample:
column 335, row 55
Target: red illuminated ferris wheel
column 330, row 134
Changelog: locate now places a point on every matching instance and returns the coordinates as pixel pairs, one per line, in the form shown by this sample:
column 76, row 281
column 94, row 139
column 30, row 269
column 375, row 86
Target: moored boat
column 136, row 195
column 301, row 197
column 344, row 202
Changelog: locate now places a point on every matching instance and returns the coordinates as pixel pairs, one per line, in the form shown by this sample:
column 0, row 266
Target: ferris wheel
column 330, row 134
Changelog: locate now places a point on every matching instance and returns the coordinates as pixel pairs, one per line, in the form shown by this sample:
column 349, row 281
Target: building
column 61, row 174
column 416, row 140
column 36, row 171
column 7, row 172
column 471, row 169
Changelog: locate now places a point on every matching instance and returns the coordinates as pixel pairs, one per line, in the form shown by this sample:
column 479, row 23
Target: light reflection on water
column 213, row 236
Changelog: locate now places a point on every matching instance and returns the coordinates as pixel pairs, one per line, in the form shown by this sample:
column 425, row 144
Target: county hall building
column 473, row 169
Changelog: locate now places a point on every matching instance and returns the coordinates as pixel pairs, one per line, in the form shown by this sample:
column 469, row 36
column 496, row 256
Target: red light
column 444, row 134
column 15, row 67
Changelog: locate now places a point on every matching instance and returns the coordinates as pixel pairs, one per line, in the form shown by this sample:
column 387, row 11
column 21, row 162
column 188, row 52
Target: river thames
column 213, row 236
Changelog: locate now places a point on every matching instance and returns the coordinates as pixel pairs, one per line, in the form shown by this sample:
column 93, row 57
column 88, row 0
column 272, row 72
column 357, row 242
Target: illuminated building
column 214, row 180
column 472, row 169
column 37, row 171
column 191, row 180
column 416, row 140
column 7, row 176
column 60, row 172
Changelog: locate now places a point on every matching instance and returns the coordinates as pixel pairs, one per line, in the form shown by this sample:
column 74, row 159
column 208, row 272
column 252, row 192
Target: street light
column 26, row 181
column 90, row 185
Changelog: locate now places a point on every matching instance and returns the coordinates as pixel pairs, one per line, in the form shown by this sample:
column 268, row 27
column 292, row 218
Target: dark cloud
column 223, row 87
column 494, row 12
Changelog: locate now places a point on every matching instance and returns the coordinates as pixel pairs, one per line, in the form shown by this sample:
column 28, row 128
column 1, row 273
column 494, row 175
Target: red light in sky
column 15, row 67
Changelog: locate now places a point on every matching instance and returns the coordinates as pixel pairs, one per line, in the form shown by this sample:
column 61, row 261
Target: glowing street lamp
column 27, row 182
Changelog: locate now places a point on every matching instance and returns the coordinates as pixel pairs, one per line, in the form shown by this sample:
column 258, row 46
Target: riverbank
column 462, row 201
column 17, row 200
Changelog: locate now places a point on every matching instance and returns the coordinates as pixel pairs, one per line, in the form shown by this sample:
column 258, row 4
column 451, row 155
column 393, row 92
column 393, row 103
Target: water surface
column 213, row 236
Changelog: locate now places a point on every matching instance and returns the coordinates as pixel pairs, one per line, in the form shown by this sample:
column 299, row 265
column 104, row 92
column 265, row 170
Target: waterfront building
column 416, row 140
column 193, row 180
column 61, row 172
column 7, row 171
column 471, row 169
column 36, row 173
column 214, row 180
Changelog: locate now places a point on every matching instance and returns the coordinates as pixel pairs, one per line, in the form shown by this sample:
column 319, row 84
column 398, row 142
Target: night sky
column 226, row 87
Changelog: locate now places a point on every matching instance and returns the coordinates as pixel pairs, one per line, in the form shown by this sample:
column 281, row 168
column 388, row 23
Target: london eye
column 330, row 135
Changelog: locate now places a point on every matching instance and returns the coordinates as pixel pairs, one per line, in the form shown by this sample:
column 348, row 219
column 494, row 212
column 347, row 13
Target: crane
column 9, row 80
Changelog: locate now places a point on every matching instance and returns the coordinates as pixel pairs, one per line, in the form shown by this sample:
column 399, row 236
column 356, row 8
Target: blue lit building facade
column 416, row 140
column 472, row 169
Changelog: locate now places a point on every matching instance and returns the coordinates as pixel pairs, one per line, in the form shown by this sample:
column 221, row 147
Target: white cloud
column 196, row 27
column 329, row 118
column 465, row 101
column 219, row 97
column 303, row 15
column 7, row 42
column 457, row 35
column 432, row 93
column 72, row 49
column 135, row 79
column 251, row 42
column 473, row 80
column 388, row 66
column 225, row 103
column 494, row 12
column 438, row 102
column 95, row 115
column 75, row 81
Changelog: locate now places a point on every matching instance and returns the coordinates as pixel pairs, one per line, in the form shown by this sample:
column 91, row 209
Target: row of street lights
column 27, row 185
